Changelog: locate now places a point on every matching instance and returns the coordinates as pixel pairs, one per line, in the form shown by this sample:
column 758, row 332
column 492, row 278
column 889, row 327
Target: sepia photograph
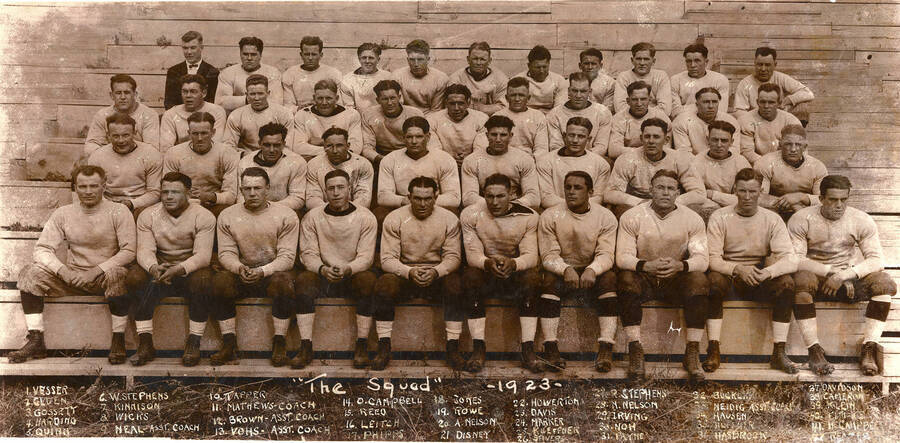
column 450, row 220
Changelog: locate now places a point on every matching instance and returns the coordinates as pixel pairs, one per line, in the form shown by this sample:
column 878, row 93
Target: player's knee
column 452, row 285
column 532, row 278
column 803, row 298
column 882, row 284
column 387, row 287
column 364, row 283
column 805, row 282
column 223, row 283
column 627, row 283
column 606, row 282
column 473, row 278
column 783, row 284
column 281, row 284
column 136, row 278
column 306, row 284
column 697, row 283
column 718, row 283
column 200, row 281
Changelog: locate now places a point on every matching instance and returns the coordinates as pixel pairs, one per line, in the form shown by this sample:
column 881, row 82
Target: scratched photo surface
column 249, row 343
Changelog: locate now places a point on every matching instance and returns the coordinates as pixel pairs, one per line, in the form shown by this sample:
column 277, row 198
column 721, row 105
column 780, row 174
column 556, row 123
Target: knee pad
column 805, row 281
column 882, row 284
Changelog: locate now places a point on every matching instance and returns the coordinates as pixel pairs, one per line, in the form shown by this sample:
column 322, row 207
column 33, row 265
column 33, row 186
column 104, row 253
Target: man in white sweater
column 337, row 156
column 337, row 248
column 357, row 86
column 603, row 86
column 643, row 56
column 231, row 91
column 299, row 80
column 796, row 94
column 123, row 92
column 173, row 128
column 686, row 83
column 312, row 121
column 580, row 105
column 286, row 171
column 717, row 167
column 242, row 127
column 553, row 166
column 458, row 128
column 548, row 89
column 826, row 239
column 530, row 125
column 488, row 85
column 423, row 85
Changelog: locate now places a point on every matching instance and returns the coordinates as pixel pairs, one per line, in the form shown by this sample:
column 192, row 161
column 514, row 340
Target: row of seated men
column 659, row 248
column 311, row 97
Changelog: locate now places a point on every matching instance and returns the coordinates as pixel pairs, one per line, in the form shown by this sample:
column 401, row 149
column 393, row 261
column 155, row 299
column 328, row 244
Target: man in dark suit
column 192, row 46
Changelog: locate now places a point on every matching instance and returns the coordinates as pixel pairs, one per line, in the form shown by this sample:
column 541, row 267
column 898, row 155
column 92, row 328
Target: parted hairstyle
column 579, row 76
column 636, row 85
column 748, row 174
column 643, row 46
column 273, row 129
column 255, row 171
column 723, row 126
column 664, row 173
column 194, row 78
column 765, row 51
column 499, row 121
column 368, row 47
column 793, row 129
column 122, row 78
column 252, row 41
column 705, row 90
column 590, row 52
column 580, row 121
column 257, row 79
column 384, row 85
column 337, row 173
column 517, row 82
column 834, row 181
column 312, row 40
column 588, row 180
column 175, row 176
column 660, row 123
column 334, row 130
column 419, row 46
column 200, row 117
column 696, row 47
column 497, row 179
column 422, row 182
column 118, row 118
column 416, row 122
column 457, row 88
column 769, row 87
column 328, row 84
column 538, row 52
column 481, row 46
column 88, row 171
column 192, row 35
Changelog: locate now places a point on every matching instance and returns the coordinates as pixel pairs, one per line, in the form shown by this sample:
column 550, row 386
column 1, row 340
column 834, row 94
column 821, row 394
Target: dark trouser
column 521, row 286
column 228, row 287
column 779, row 292
column 310, row 285
column 809, row 286
column 687, row 289
column 146, row 294
column 37, row 282
column 391, row 289
column 555, row 285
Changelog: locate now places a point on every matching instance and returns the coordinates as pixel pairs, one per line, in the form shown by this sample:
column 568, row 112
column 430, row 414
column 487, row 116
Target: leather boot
column 604, row 357
column 691, row 362
column 228, row 353
column 636, row 369
column 145, row 352
column 781, row 361
column 34, row 348
column 868, row 360
column 384, row 354
column 279, row 351
column 304, row 357
column 454, row 359
column 117, row 349
column 191, row 351
column 476, row 361
column 713, row 359
column 529, row 358
column 361, row 353
column 555, row 361
column 817, row 361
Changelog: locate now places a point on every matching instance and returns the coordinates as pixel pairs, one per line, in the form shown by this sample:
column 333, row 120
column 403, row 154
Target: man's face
column 708, row 106
column 389, row 100
column 325, row 100
column 764, row 67
column 89, row 189
column 457, row 107
column 639, row 102
column 416, row 141
column 123, row 97
column 696, row 64
column 590, row 65
column 518, row 98
column 311, row 55
column 792, row 147
column 654, row 139
column 271, row 147
column 579, row 94
column 250, row 58
column 498, row 140
column 121, row 137
column 747, row 192
column 201, row 134
column 174, row 196
column 258, row 97
column 479, row 61
column 421, row 201
column 719, row 143
column 337, row 191
column 576, row 192
column 576, row 138
column 497, row 198
column 418, row 63
column 192, row 50
column 767, row 102
column 834, row 203
column 664, row 190
column 368, row 61
column 336, row 148
column 193, row 95
column 539, row 69
column 255, row 191
column 642, row 61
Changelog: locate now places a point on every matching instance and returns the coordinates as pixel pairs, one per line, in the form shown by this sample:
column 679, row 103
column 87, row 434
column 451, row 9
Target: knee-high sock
column 363, row 325
column 780, row 331
column 607, row 317
column 384, row 328
column 143, row 326
column 454, row 329
column 529, row 328
column 119, row 322
column 806, row 319
column 714, row 328
column 280, row 326
column 227, row 326
column 35, row 322
column 876, row 315
column 33, row 306
column 476, row 328
column 550, row 312
column 197, row 327
column 633, row 333
column 305, row 323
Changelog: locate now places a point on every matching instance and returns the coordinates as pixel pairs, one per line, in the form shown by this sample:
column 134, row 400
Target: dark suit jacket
column 173, row 82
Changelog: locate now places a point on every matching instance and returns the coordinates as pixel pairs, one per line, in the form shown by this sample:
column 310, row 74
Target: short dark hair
column 590, row 52
column 769, row 87
column 588, row 180
column 793, row 129
column 643, row 46
column 255, row 171
column 422, row 182
column 88, row 171
column 748, row 174
column 580, row 121
column 538, row 52
column 118, row 118
column 273, row 129
column 765, row 51
column 122, row 78
column 312, row 40
column 418, row 45
column 417, row 122
column 665, row 173
column 705, row 90
column 499, row 121
column 834, row 181
column 636, row 85
column 497, row 179
column 327, row 83
column 174, row 176
column 457, row 88
column 517, row 82
column 722, row 126
column 334, row 130
column 200, row 117
column 696, row 47
column 579, row 76
column 368, row 47
column 481, row 46
column 193, row 78
column 658, row 122
column 192, row 35
column 252, row 41
column 384, row 85
column 257, row 79
column 337, row 173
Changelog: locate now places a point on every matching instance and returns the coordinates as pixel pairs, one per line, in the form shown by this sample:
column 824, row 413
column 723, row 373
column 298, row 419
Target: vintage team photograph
column 448, row 220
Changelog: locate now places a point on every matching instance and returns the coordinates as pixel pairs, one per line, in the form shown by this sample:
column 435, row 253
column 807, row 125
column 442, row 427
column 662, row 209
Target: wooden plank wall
column 58, row 58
